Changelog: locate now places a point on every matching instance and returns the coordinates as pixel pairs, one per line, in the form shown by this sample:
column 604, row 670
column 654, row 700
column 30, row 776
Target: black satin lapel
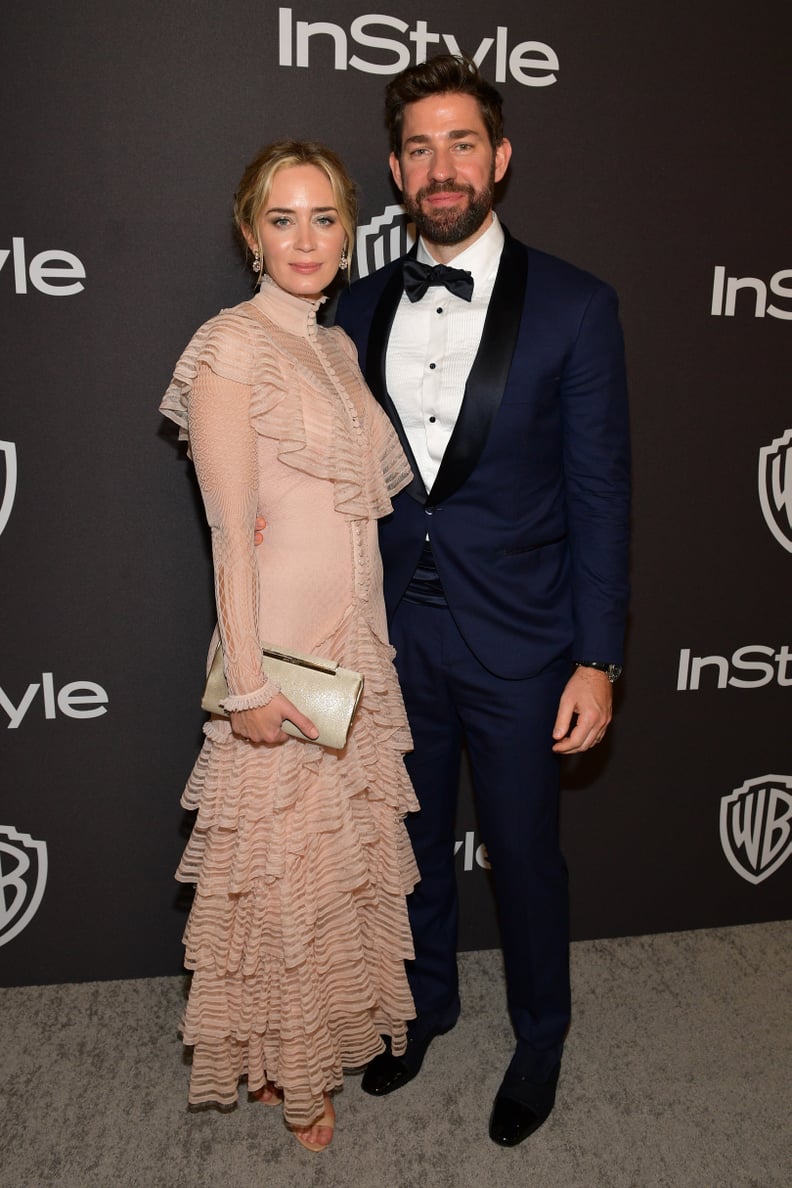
column 376, row 351
column 488, row 375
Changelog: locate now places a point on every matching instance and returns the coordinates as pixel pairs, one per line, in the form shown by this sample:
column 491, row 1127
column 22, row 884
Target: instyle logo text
column 751, row 293
column 472, row 855
column 389, row 44
column 54, row 272
column 750, row 667
column 77, row 699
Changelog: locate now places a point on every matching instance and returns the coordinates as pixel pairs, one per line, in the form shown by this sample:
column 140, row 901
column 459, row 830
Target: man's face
column 447, row 169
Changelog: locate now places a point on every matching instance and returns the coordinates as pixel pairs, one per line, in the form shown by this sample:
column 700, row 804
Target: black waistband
column 425, row 587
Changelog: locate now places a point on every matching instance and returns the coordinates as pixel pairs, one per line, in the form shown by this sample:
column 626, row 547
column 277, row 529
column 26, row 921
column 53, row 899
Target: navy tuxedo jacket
column 529, row 513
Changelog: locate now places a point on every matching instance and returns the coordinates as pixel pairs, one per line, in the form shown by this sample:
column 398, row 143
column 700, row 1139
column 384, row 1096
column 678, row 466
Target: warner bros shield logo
column 775, row 488
column 384, row 239
column 23, row 876
column 756, row 826
column 8, row 480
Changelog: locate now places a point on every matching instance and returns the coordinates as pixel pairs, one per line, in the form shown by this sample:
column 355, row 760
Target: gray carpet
column 677, row 1073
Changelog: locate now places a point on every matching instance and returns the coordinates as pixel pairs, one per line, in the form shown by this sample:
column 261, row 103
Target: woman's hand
column 263, row 725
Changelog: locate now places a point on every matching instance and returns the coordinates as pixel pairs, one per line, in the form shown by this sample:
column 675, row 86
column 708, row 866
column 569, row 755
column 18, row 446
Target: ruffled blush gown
column 298, row 933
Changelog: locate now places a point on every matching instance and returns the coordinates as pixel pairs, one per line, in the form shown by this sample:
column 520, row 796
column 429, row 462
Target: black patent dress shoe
column 511, row 1121
column 387, row 1072
column 521, row 1106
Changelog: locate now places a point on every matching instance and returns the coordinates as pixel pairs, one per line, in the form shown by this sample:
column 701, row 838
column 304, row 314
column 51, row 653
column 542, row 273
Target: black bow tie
column 419, row 277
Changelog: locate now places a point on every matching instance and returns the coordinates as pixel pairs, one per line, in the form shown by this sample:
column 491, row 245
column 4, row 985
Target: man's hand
column 258, row 530
column 589, row 694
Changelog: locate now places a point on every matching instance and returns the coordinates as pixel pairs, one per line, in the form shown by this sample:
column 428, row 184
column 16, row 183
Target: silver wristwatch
column 612, row 671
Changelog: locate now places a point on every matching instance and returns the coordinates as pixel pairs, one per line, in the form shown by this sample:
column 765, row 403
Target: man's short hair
column 441, row 75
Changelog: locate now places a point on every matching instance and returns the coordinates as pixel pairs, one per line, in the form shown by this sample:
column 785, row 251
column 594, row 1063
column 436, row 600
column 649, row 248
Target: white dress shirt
column 432, row 345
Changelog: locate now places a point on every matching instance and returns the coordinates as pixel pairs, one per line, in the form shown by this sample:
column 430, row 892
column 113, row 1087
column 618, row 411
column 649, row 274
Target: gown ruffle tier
column 298, row 931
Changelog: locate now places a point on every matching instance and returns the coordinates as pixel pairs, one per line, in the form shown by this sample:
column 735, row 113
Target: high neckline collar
column 295, row 314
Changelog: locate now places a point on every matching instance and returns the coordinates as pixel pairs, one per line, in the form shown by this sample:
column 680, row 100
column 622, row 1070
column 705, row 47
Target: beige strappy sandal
column 327, row 1120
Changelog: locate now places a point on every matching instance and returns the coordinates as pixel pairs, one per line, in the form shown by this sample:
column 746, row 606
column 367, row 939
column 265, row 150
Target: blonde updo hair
column 256, row 184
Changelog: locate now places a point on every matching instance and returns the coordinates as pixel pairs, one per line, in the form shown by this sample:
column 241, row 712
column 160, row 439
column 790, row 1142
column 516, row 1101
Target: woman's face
column 300, row 231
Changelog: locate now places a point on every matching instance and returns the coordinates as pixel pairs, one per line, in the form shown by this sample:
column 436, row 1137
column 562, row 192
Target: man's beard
column 451, row 225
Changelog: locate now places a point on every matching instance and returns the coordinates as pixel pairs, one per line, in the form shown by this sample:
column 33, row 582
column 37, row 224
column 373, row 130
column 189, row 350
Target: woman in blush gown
column 298, row 933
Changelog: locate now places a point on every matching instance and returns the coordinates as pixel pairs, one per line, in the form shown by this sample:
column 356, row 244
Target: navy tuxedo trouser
column 507, row 725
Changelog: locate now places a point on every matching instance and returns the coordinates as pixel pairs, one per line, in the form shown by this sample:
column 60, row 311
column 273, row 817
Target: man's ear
column 502, row 157
column 395, row 168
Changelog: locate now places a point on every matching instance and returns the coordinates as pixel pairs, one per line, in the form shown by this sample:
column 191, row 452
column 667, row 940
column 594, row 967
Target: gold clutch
column 323, row 691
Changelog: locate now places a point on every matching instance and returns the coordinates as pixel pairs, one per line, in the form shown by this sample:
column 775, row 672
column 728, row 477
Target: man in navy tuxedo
column 505, row 561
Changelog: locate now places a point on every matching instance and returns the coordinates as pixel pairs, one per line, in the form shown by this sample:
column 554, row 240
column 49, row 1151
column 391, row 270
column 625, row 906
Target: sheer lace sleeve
column 223, row 446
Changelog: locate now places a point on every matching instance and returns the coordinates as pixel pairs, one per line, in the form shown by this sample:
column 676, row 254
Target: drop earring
column 343, row 263
column 256, row 260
